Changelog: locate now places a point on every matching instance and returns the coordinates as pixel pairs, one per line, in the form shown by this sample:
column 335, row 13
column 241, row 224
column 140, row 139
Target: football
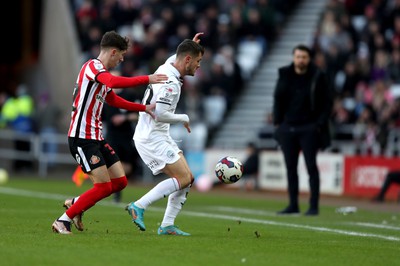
column 3, row 176
column 229, row 169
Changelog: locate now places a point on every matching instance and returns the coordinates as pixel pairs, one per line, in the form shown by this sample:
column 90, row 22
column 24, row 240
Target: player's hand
column 150, row 110
column 187, row 126
column 157, row 78
column 196, row 37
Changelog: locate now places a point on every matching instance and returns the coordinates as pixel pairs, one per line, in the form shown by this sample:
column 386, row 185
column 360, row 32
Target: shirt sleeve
column 166, row 97
column 112, row 81
column 116, row 101
column 171, row 59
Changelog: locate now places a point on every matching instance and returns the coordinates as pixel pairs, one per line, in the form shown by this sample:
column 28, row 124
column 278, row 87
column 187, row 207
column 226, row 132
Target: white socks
column 175, row 203
column 161, row 190
column 65, row 217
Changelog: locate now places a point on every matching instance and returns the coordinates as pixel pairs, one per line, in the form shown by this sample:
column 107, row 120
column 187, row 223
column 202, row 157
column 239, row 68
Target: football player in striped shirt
column 87, row 145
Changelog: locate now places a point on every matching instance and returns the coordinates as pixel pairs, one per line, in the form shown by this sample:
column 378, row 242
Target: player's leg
column 115, row 168
column 310, row 150
column 88, row 154
column 291, row 149
column 101, row 188
column 177, row 199
column 120, row 170
column 173, row 165
column 157, row 155
column 118, row 178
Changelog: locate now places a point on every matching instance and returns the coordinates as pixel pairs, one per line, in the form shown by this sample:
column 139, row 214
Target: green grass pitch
column 226, row 228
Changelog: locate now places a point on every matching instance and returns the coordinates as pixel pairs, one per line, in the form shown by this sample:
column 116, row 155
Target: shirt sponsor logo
column 101, row 99
column 94, row 159
column 153, row 164
column 163, row 99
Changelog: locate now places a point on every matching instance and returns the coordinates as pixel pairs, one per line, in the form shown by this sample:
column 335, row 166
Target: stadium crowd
column 358, row 44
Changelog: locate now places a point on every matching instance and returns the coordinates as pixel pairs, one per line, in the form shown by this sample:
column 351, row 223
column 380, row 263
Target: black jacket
column 321, row 98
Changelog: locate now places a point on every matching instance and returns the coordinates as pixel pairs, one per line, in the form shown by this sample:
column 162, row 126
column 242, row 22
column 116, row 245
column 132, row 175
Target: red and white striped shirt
column 88, row 100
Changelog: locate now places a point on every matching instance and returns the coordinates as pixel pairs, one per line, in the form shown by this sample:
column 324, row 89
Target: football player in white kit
column 155, row 145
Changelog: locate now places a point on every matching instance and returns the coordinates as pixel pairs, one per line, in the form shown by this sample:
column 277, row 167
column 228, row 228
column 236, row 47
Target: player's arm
column 112, row 81
column 163, row 115
column 166, row 96
column 116, row 101
column 196, row 38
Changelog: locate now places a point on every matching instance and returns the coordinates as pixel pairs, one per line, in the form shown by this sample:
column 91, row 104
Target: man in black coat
column 302, row 107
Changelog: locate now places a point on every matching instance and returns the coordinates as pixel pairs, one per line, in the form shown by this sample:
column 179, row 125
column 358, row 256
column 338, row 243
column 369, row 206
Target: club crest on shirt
column 94, row 159
column 170, row 154
column 167, row 93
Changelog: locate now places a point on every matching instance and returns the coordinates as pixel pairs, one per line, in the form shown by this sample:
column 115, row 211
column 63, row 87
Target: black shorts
column 91, row 154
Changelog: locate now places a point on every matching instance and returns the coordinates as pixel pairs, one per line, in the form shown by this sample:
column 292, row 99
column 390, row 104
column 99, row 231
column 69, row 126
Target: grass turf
column 226, row 230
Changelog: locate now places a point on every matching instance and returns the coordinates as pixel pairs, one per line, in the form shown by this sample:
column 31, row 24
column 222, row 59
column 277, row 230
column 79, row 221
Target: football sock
column 89, row 198
column 75, row 199
column 118, row 184
column 64, row 217
column 175, row 203
column 161, row 190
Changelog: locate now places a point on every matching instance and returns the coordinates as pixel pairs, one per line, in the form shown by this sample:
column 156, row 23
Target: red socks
column 119, row 184
column 89, row 198
column 95, row 194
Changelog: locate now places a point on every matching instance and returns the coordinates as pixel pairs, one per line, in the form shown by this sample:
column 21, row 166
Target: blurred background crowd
column 356, row 41
column 358, row 44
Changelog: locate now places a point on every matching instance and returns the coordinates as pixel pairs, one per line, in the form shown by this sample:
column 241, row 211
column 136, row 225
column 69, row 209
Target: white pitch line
column 44, row 195
column 381, row 226
column 267, row 222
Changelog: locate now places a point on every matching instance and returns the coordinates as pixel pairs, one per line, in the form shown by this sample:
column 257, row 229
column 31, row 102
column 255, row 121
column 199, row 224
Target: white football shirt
column 167, row 94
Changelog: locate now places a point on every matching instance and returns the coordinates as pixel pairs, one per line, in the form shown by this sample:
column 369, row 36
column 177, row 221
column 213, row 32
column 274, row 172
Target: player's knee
column 119, row 184
column 104, row 189
column 186, row 180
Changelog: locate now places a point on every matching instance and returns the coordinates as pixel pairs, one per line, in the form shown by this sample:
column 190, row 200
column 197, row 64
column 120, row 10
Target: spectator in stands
column 17, row 112
column 47, row 117
column 393, row 177
column 302, row 107
column 394, row 66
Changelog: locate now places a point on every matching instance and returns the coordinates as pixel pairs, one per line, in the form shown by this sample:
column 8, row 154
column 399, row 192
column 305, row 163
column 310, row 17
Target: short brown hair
column 189, row 47
column 303, row 48
column 113, row 39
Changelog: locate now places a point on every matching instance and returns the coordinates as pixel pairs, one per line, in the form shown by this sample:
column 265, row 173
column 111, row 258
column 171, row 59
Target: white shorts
column 157, row 154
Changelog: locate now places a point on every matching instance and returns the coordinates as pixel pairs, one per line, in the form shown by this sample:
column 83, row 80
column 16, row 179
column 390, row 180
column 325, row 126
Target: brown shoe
column 61, row 227
column 77, row 220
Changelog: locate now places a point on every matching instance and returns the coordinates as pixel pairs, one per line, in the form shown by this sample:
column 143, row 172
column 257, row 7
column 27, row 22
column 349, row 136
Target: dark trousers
column 292, row 140
column 392, row 177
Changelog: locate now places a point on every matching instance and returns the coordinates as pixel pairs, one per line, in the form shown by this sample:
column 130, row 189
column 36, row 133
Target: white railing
column 37, row 152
